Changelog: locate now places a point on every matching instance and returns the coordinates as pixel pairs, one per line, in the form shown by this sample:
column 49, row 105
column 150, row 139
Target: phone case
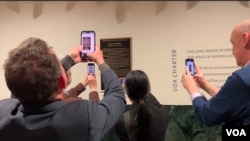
column 87, row 43
column 91, row 68
column 189, row 62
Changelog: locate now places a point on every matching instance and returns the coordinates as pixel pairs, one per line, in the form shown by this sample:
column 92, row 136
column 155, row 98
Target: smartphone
column 91, row 68
column 189, row 62
column 87, row 43
column 122, row 80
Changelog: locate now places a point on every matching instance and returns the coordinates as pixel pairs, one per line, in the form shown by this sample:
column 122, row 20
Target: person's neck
column 59, row 97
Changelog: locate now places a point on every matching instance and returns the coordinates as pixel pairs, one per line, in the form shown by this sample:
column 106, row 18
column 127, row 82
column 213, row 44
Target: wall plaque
column 117, row 54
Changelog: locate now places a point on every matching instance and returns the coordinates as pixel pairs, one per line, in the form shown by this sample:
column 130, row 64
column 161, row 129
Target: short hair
column 32, row 72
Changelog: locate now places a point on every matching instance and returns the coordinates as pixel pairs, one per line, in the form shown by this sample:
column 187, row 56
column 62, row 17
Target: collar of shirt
column 247, row 64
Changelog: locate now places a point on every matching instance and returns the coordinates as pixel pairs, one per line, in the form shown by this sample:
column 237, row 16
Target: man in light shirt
column 230, row 104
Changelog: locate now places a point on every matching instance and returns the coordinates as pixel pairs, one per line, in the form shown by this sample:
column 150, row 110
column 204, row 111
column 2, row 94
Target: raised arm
column 104, row 116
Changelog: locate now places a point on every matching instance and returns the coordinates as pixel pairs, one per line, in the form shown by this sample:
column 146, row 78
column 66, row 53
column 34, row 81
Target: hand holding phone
column 91, row 69
column 87, row 43
column 189, row 62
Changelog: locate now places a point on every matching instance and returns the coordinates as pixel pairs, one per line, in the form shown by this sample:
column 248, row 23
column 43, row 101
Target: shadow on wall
column 120, row 7
column 183, row 126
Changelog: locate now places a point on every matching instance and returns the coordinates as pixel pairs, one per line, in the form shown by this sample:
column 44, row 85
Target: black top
column 159, row 121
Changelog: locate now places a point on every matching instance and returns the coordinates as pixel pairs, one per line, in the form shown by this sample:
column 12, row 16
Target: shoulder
column 9, row 102
column 243, row 74
column 78, row 109
column 242, row 71
column 69, row 99
column 8, row 105
column 152, row 100
column 77, row 102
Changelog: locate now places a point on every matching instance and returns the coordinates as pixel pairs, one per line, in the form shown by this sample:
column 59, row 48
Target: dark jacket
column 159, row 121
column 231, row 104
column 80, row 120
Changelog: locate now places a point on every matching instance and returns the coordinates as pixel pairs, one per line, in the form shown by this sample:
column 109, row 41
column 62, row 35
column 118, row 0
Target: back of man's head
column 32, row 71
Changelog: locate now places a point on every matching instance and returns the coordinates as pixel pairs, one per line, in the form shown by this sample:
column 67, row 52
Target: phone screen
column 91, row 68
column 122, row 80
column 190, row 64
column 87, row 42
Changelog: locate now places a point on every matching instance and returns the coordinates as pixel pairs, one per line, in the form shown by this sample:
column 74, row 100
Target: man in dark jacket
column 35, row 76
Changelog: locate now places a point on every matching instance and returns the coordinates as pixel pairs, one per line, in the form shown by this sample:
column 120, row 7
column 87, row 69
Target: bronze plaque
column 117, row 54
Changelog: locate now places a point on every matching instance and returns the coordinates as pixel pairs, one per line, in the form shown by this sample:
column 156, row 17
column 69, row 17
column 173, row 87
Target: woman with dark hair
column 147, row 119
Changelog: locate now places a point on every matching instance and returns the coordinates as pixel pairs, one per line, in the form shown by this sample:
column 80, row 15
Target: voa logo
column 236, row 132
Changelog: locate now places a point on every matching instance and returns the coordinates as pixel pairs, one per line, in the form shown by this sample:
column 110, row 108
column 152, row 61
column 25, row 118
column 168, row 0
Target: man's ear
column 246, row 40
column 61, row 83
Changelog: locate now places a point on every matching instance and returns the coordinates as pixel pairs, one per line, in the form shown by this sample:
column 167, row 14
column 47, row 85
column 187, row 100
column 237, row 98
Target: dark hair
column 32, row 72
column 137, row 87
column 137, row 84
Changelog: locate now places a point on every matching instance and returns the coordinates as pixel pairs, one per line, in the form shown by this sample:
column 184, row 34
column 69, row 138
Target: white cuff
column 194, row 95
